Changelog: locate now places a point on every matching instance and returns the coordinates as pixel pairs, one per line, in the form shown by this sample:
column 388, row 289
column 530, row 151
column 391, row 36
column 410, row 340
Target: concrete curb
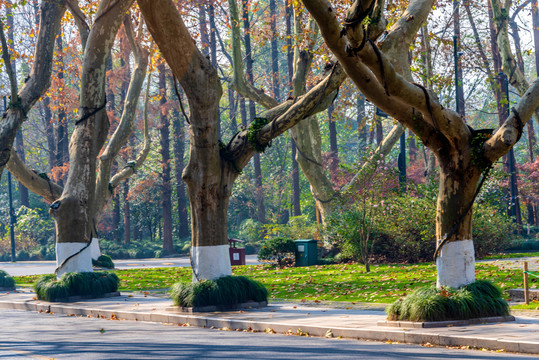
column 435, row 324
column 401, row 335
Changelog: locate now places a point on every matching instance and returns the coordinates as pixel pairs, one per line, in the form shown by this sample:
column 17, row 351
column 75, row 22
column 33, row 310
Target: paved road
column 47, row 267
column 20, row 268
column 26, row 335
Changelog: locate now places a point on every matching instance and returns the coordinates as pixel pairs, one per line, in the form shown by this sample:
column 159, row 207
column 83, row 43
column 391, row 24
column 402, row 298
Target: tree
column 212, row 170
column 89, row 185
column 463, row 153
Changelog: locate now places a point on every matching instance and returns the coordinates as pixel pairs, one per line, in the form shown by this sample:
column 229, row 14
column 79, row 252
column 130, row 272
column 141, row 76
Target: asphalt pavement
column 25, row 335
column 286, row 318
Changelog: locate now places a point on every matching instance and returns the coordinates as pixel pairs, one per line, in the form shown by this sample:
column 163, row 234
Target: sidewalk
column 521, row 335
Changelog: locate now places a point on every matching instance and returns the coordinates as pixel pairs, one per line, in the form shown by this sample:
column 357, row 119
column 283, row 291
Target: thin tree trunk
column 261, row 209
column 49, row 131
column 127, row 213
column 274, row 52
column 116, row 229
column 334, row 149
column 296, row 192
column 362, row 129
column 166, row 190
column 178, row 146
column 460, row 88
column 62, row 140
column 379, row 130
column 412, row 146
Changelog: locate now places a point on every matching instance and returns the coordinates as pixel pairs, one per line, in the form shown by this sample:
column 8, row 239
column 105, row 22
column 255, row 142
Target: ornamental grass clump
column 476, row 300
column 224, row 291
column 103, row 261
column 92, row 284
column 6, row 281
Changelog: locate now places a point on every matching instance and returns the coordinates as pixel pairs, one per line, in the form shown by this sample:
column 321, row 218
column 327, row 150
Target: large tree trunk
column 209, row 179
column 75, row 211
column 455, row 263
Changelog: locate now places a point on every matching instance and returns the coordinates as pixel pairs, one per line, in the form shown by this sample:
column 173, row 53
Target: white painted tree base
column 210, row 262
column 96, row 250
column 455, row 266
column 80, row 263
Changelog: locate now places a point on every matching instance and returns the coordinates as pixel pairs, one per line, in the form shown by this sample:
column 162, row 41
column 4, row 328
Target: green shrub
column 6, row 281
column 49, row 289
column 226, row 290
column 93, row 284
column 492, row 231
column 103, row 261
column 251, row 230
column 353, row 229
column 277, row 249
column 476, row 300
column 406, row 230
column 22, row 255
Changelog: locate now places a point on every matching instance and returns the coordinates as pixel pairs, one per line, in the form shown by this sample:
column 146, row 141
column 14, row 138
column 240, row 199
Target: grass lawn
column 343, row 282
column 510, row 255
column 533, row 305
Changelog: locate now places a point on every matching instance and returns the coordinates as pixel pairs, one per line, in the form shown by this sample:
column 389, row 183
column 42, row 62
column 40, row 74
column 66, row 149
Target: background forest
column 390, row 217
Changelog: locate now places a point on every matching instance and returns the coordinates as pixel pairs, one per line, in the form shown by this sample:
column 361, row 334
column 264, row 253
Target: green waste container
column 306, row 252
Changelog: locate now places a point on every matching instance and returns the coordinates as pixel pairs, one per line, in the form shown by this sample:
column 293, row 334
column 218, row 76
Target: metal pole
column 526, row 286
column 11, row 210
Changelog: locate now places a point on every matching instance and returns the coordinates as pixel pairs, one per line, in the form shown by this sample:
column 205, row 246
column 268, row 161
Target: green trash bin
column 306, row 252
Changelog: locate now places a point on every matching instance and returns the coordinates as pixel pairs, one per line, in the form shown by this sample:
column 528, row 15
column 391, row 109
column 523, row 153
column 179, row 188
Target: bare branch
column 130, row 169
column 240, row 83
column 125, row 128
column 6, row 56
column 511, row 130
column 80, row 21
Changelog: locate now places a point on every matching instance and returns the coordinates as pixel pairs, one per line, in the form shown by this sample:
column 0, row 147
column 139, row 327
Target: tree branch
column 240, row 83
column 80, row 21
column 511, row 130
column 386, row 88
column 41, row 186
column 6, row 56
column 38, row 81
column 126, row 125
